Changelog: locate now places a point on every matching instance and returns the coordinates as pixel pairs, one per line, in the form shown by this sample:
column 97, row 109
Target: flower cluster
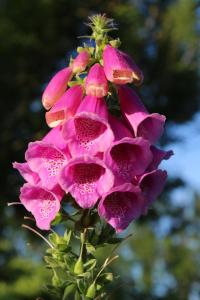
column 105, row 162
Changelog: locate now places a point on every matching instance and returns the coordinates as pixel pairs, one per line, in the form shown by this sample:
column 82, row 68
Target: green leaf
column 89, row 265
column 81, row 286
column 90, row 248
column 77, row 296
column 58, row 219
column 67, row 236
column 54, row 239
column 68, row 290
column 51, row 261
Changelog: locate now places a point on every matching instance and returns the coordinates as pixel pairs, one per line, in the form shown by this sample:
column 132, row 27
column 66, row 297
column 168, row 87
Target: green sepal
column 90, row 248
column 68, row 290
column 90, row 264
column 77, row 296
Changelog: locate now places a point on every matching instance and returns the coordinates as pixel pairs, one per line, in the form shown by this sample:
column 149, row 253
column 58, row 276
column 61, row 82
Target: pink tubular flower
column 46, row 160
column 56, row 87
column 43, row 204
column 86, row 178
column 80, row 62
column 119, row 129
column 55, row 138
column 148, row 126
column 65, row 107
column 120, row 68
column 158, row 156
column 96, row 83
column 121, row 205
column 88, row 131
column 152, row 184
column 27, row 173
column 128, row 157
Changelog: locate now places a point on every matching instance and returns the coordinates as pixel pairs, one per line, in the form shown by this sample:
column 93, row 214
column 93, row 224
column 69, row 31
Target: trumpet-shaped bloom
column 56, row 87
column 46, row 160
column 128, row 157
column 65, row 107
column 43, row 204
column 27, row 173
column 119, row 129
column 96, row 83
column 55, row 138
column 148, row 126
column 152, row 184
column 121, row 205
column 120, row 68
column 89, row 131
column 86, row 178
column 80, row 62
column 158, row 156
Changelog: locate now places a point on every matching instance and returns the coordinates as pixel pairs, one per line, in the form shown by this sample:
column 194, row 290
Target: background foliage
column 161, row 260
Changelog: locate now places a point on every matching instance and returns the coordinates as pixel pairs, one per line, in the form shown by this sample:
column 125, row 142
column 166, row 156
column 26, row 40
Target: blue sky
column 186, row 161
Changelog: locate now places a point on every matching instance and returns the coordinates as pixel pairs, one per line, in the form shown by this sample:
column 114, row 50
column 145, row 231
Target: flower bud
column 120, row 68
column 96, row 82
column 80, row 62
column 91, row 292
column 78, row 268
column 56, row 87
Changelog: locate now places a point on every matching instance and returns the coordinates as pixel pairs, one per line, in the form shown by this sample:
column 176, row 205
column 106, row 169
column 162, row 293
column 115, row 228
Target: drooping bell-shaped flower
column 47, row 161
column 152, row 184
column 80, row 62
column 65, row 107
column 43, row 204
column 27, row 173
column 96, row 83
column 121, row 205
column 87, row 179
column 148, row 126
column 89, row 131
column 56, row 87
column 128, row 157
column 55, row 138
column 120, row 68
column 158, row 156
column 119, row 129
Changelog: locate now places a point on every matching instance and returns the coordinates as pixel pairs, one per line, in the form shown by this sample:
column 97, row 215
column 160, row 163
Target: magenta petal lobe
column 86, row 178
column 42, row 203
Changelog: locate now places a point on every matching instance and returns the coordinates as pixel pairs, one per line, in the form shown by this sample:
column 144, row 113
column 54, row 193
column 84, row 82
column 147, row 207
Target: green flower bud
column 91, row 292
column 78, row 268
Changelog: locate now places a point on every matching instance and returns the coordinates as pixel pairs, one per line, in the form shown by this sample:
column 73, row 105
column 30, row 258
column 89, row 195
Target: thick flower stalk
column 94, row 172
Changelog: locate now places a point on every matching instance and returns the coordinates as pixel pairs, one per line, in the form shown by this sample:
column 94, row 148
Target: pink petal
column 65, row 107
column 47, row 161
column 87, row 133
column 121, row 205
column 86, row 178
column 158, row 156
column 55, row 138
column 148, row 126
column 56, row 87
column 81, row 61
column 152, row 184
column 27, row 173
column 94, row 105
column 120, row 68
column 119, row 129
column 43, row 204
column 128, row 157
column 96, row 83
